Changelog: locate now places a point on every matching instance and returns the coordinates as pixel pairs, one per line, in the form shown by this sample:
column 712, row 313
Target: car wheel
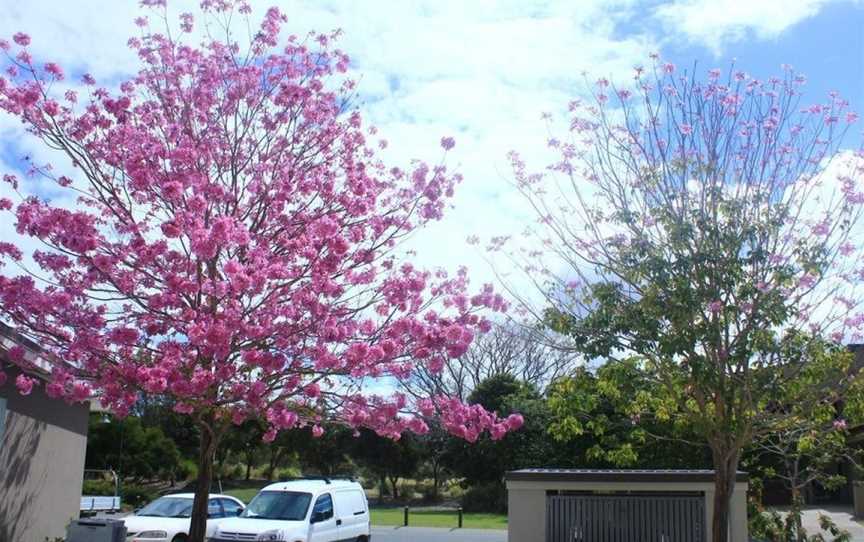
column 180, row 538
column 362, row 539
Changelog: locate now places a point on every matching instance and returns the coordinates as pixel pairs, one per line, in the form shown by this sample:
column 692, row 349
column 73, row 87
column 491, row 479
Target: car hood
column 258, row 526
column 136, row 524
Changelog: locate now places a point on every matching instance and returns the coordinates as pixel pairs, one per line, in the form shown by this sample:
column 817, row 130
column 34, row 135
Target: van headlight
column 271, row 536
column 152, row 534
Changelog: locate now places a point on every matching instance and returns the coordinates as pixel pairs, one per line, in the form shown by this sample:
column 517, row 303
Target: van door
column 323, row 526
column 352, row 514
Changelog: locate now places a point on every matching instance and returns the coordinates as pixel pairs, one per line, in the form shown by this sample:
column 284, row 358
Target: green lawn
column 437, row 518
column 245, row 494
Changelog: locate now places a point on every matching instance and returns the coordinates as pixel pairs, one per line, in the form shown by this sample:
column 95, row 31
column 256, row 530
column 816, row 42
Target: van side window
column 324, row 506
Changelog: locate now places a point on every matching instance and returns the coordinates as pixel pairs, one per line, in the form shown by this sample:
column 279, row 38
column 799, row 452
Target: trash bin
column 96, row 530
column 858, row 499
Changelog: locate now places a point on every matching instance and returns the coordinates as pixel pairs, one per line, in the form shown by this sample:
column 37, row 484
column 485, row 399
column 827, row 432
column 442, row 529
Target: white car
column 167, row 518
column 308, row 510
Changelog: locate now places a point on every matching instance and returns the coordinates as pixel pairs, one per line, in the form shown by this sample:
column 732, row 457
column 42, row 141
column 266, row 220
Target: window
column 2, row 417
column 285, row 505
column 214, row 509
column 232, row 508
column 323, row 507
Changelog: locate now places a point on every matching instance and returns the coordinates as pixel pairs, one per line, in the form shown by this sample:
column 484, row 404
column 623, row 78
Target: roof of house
column 616, row 475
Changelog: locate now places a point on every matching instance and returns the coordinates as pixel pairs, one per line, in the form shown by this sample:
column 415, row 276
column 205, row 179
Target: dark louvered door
column 625, row 518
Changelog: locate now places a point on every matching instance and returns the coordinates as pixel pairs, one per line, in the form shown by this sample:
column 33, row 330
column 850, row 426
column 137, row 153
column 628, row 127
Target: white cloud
column 480, row 71
column 716, row 23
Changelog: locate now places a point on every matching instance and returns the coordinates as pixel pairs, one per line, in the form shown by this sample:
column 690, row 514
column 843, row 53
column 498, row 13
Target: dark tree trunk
column 249, row 460
column 436, row 481
column 393, row 482
column 275, row 457
column 383, row 487
column 725, row 471
column 198, row 522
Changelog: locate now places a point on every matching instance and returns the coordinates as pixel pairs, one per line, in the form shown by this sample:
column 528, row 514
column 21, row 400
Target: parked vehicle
column 167, row 518
column 307, row 510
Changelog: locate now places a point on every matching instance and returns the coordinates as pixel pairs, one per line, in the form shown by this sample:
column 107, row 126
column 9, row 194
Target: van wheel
column 362, row 539
column 180, row 538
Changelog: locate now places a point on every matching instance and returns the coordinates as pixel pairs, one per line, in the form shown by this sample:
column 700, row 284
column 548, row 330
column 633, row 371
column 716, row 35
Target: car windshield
column 168, row 507
column 284, row 505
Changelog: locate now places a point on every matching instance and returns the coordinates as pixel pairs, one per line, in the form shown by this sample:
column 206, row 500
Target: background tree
column 388, row 459
column 245, row 440
column 236, row 242
column 709, row 227
column 603, row 413
column 130, row 449
column 808, row 443
column 509, row 349
column 482, row 465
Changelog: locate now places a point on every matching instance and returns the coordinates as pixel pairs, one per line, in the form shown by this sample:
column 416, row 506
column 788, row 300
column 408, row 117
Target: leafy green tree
column 134, row 451
column 244, row 440
column 604, row 412
column 709, row 227
column 388, row 459
column 810, row 439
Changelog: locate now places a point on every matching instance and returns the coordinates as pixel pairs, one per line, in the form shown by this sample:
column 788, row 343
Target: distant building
column 42, row 446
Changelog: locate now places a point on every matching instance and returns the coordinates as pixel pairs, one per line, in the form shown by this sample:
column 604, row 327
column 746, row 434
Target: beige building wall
column 42, row 452
column 526, row 502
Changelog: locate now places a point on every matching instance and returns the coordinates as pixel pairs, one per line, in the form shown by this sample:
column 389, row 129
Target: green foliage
column 622, row 419
column 490, row 497
column 137, row 495
column 131, row 449
column 770, row 526
column 98, row 487
column 386, row 458
column 486, row 460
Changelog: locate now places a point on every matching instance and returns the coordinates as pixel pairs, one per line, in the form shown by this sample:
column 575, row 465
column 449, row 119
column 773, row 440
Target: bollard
column 460, row 516
column 406, row 516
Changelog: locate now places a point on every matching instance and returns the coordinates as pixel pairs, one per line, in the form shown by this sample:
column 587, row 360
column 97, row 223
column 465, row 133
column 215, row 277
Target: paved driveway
column 842, row 516
column 428, row 534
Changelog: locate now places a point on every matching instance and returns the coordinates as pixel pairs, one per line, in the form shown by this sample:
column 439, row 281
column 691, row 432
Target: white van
column 307, row 510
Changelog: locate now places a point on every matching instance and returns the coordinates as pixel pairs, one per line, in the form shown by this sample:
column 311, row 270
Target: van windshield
column 284, row 505
column 168, row 507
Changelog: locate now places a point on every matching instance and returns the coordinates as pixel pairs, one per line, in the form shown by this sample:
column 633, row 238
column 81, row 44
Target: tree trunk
column 435, row 479
column 393, row 482
column 383, row 487
column 725, row 472
column 206, row 452
column 249, row 459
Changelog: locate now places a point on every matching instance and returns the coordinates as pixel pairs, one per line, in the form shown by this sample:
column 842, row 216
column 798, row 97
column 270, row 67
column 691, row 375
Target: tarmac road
column 428, row 534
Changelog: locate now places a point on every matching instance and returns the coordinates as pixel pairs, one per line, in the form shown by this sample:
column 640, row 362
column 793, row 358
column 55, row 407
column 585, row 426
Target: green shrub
column 487, row 498
column 137, row 496
column 237, row 473
column 287, row 474
column 187, row 470
column 97, row 487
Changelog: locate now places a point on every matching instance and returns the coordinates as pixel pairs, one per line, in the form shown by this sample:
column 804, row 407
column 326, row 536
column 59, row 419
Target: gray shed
column 567, row 505
column 42, row 447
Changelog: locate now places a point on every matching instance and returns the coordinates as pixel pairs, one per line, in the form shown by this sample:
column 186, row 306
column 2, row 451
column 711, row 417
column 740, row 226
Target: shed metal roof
column 617, row 475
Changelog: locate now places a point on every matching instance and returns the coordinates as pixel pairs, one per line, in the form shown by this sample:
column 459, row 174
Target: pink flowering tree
column 236, row 244
column 709, row 229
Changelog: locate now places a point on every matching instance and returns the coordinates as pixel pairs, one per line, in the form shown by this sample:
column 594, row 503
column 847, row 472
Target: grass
column 245, row 494
column 437, row 518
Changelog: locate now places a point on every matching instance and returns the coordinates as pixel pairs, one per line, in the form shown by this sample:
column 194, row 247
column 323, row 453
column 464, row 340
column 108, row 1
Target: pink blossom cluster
column 234, row 246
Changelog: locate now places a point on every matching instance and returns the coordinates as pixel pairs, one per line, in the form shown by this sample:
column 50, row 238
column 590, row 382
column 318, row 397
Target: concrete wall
column 527, row 505
column 41, row 464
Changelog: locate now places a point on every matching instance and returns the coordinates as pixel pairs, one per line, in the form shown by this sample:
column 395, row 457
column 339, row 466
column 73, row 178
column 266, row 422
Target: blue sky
column 482, row 71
